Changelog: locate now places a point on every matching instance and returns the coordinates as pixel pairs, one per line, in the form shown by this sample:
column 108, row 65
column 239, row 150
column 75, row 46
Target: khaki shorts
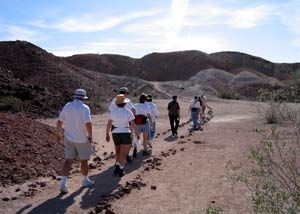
column 74, row 150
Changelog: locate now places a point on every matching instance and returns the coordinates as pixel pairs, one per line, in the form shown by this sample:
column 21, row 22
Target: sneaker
column 121, row 173
column 87, row 183
column 134, row 154
column 117, row 169
column 146, row 153
column 128, row 159
column 64, row 189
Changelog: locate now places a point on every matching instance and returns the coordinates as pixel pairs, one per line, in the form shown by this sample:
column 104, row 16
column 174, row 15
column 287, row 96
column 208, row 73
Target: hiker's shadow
column 105, row 183
column 171, row 138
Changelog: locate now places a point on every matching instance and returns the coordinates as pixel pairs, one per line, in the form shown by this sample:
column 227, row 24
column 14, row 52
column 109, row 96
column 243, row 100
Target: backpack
column 173, row 108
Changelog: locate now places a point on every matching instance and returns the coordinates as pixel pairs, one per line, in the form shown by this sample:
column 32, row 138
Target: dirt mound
column 27, row 149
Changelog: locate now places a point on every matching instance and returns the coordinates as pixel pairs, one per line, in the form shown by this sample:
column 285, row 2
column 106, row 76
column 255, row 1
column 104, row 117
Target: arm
column 108, row 127
column 89, row 129
column 59, row 131
column 178, row 111
column 150, row 119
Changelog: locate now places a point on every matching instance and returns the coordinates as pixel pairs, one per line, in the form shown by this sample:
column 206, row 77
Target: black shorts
column 122, row 138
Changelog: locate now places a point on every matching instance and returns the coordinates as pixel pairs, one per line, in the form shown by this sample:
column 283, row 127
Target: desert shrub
column 10, row 104
column 273, row 173
column 213, row 210
column 227, row 94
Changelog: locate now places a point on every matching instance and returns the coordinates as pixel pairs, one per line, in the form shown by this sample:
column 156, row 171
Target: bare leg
column 66, row 167
column 124, row 150
column 84, row 167
column 117, row 148
column 145, row 140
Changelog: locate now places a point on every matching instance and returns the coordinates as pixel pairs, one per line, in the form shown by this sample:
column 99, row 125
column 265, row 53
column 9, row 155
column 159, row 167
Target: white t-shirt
column 120, row 119
column 74, row 117
column 113, row 105
column 195, row 104
column 142, row 109
column 154, row 111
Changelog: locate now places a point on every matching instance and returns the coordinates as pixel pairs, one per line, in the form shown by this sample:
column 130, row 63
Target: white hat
column 80, row 94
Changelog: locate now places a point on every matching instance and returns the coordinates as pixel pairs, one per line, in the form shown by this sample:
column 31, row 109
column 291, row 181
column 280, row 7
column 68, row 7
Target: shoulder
column 85, row 107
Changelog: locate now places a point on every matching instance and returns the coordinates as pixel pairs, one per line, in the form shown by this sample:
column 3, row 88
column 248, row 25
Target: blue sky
column 269, row 29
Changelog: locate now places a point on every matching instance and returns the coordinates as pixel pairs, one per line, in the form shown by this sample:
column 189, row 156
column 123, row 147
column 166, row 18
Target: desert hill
column 39, row 83
column 182, row 65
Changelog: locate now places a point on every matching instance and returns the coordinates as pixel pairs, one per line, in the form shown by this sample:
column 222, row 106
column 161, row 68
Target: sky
column 269, row 29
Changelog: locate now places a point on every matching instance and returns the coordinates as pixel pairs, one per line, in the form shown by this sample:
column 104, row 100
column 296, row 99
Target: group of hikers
column 128, row 123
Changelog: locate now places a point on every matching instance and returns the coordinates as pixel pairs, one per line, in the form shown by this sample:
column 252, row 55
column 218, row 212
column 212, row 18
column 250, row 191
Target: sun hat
column 120, row 99
column 80, row 94
column 124, row 90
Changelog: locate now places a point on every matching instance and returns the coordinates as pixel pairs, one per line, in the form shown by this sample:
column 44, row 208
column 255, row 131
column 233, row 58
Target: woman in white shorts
column 119, row 122
column 143, row 114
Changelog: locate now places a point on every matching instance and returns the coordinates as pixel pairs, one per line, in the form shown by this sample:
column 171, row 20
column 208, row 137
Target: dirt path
column 190, row 177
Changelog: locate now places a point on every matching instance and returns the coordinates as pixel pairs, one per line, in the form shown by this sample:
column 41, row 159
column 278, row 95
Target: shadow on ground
column 105, row 183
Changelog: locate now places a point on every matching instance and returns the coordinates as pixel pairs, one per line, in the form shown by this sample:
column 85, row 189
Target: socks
column 64, row 179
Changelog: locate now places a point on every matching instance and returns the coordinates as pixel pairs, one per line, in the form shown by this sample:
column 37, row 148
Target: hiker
column 129, row 105
column 143, row 114
column 195, row 109
column 174, row 115
column 154, row 115
column 118, row 123
column 203, row 101
column 75, row 121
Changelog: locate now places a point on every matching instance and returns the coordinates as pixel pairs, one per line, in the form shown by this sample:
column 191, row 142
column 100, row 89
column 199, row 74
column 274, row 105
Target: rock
column 5, row 199
column 147, row 168
column 153, row 187
column 181, row 137
column 126, row 190
column 18, row 189
column 104, row 153
column 14, row 198
column 97, row 159
column 181, row 149
column 92, row 166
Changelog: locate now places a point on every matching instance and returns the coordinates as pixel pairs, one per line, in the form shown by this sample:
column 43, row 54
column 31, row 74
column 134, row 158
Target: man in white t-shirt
column 154, row 115
column 194, row 109
column 75, row 123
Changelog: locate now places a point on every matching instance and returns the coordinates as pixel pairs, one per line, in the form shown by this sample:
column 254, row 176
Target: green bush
column 213, row 210
column 10, row 103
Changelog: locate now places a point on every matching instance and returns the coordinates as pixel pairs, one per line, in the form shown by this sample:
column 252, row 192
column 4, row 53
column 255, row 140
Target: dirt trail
column 190, row 177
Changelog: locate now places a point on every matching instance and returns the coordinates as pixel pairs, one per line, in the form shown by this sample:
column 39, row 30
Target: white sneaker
column 87, row 183
column 64, row 189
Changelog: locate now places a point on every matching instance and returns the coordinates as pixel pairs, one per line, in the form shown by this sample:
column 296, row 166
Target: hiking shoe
column 87, row 183
column 64, row 189
column 129, row 159
column 117, row 169
column 146, row 153
column 134, row 154
column 121, row 173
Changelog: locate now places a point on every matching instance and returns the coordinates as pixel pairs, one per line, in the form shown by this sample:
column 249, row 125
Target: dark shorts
column 122, row 138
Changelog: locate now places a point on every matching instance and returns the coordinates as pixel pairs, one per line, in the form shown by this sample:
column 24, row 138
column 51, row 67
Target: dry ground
column 187, row 181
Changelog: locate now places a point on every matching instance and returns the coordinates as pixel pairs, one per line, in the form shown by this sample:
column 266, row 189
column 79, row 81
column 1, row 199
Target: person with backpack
column 195, row 108
column 174, row 115
column 143, row 114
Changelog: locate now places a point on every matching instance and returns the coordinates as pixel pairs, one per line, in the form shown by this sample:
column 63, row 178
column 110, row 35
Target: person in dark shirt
column 174, row 115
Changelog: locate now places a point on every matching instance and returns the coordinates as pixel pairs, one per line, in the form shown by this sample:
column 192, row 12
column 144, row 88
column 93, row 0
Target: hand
column 58, row 138
column 107, row 138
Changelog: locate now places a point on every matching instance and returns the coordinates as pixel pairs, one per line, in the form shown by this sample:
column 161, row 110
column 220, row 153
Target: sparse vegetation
column 10, row 103
column 274, row 164
column 228, row 94
column 213, row 210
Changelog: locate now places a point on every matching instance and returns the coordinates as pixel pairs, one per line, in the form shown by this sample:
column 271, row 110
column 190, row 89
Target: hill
column 182, row 65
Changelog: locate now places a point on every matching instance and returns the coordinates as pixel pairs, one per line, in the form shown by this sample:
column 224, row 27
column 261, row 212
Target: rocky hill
column 182, row 65
column 39, row 83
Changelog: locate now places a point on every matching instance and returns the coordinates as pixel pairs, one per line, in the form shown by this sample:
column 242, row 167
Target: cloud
column 13, row 32
column 238, row 18
column 93, row 23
